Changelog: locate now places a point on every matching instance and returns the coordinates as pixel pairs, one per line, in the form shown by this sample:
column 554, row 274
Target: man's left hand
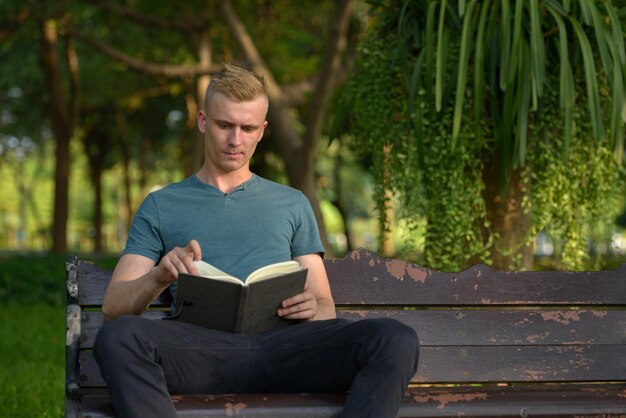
column 302, row 307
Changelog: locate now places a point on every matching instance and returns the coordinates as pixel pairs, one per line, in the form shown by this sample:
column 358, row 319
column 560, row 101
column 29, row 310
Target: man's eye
column 223, row 125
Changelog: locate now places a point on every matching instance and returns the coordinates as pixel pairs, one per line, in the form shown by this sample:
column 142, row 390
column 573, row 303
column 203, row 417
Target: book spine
column 241, row 314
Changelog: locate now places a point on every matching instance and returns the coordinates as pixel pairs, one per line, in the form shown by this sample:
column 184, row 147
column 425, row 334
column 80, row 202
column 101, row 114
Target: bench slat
column 93, row 281
column 471, row 364
column 364, row 278
column 553, row 401
column 471, row 326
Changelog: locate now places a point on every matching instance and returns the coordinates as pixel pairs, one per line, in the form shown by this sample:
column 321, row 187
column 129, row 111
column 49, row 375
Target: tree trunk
column 62, row 126
column 339, row 199
column 126, row 158
column 190, row 138
column 298, row 151
column 202, row 82
column 143, row 165
column 97, row 144
column 97, row 207
column 387, row 246
column 508, row 219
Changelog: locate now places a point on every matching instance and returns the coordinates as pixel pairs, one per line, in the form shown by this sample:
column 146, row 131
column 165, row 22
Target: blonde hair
column 237, row 84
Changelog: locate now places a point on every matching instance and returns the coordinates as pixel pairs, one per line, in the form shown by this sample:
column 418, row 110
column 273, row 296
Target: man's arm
column 136, row 281
column 316, row 302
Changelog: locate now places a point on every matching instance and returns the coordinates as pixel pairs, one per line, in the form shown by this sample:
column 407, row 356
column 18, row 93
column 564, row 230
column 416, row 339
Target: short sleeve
column 306, row 238
column 144, row 237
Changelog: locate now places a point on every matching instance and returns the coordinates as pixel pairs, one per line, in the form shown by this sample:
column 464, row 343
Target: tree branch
column 330, row 67
column 251, row 54
column 74, row 73
column 295, row 93
column 144, row 67
column 185, row 23
column 280, row 118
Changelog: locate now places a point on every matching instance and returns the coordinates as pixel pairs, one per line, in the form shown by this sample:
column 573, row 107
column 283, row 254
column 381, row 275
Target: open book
column 220, row 301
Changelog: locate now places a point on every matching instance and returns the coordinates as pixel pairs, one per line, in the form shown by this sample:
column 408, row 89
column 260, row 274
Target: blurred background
column 447, row 133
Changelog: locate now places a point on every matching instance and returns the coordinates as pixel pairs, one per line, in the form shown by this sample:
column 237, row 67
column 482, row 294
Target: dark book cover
column 231, row 307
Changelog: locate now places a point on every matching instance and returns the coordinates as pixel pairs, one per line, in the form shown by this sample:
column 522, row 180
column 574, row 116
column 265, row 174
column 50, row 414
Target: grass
column 32, row 360
column 32, row 333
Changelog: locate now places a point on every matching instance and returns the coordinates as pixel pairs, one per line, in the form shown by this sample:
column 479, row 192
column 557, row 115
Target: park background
column 448, row 133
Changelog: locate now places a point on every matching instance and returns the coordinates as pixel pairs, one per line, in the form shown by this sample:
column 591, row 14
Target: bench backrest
column 475, row 326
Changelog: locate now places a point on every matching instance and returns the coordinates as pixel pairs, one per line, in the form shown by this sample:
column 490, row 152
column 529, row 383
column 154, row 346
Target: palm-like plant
column 525, row 33
column 495, row 80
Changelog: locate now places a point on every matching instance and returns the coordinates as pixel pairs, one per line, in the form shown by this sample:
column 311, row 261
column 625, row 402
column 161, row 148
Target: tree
column 297, row 147
column 23, row 121
column 494, row 120
column 63, row 112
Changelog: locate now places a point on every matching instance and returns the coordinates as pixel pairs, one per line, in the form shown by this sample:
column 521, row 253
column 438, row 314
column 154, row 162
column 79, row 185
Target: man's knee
column 395, row 339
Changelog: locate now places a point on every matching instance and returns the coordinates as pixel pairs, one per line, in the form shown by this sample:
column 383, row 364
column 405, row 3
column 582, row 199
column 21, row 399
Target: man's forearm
column 131, row 297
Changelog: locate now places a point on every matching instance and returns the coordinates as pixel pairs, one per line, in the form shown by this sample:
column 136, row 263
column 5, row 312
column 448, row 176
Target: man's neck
column 224, row 182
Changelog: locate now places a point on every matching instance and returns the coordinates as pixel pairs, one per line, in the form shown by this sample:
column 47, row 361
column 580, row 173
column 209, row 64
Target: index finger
column 194, row 248
column 192, row 253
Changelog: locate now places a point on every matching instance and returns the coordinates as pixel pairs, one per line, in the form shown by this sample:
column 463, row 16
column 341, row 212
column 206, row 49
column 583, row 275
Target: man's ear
column 202, row 121
column 262, row 131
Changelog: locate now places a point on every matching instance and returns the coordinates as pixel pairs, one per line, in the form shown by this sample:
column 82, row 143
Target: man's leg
column 144, row 361
column 374, row 359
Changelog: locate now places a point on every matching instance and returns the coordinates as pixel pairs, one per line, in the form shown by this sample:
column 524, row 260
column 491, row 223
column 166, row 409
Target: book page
column 273, row 270
column 207, row 270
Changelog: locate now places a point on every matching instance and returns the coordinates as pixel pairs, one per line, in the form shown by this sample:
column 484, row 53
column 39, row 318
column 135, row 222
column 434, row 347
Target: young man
column 238, row 222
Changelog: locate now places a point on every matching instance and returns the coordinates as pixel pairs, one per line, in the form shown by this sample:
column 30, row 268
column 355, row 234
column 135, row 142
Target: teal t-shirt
column 258, row 223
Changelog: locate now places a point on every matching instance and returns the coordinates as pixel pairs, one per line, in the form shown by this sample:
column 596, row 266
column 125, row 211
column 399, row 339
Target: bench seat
column 491, row 343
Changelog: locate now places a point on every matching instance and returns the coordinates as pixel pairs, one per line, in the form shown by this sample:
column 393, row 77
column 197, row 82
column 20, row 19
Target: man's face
column 231, row 132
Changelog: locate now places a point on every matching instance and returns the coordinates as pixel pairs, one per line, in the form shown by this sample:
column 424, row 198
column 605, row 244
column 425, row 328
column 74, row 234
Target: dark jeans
column 144, row 361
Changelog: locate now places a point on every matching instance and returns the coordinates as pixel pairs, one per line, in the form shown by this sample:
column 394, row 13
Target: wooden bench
column 492, row 343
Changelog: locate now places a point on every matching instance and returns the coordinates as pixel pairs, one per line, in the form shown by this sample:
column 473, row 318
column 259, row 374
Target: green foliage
column 443, row 89
column 375, row 96
column 154, row 135
column 576, row 196
column 433, row 180
column 21, row 84
column 32, row 278
column 453, row 200
column 32, row 346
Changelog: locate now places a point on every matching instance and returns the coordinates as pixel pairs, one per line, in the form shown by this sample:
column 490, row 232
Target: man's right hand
column 178, row 260
column 136, row 281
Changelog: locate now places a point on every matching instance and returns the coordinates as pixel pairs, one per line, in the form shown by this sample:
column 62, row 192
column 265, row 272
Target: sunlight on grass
column 32, row 360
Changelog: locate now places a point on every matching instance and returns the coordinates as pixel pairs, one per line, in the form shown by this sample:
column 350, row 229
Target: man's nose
column 234, row 139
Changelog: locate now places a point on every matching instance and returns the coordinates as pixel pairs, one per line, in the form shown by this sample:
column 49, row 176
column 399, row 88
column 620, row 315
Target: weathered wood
column 71, row 279
column 555, row 339
column 93, row 281
column 508, row 401
column 72, row 339
column 363, row 278
column 470, row 326
column 485, row 364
